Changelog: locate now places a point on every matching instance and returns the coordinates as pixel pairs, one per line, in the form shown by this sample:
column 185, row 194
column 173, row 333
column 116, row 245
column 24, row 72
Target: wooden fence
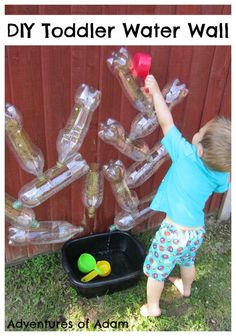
column 41, row 81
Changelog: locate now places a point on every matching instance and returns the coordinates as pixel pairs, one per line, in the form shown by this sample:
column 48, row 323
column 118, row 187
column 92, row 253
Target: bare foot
column 179, row 285
column 145, row 311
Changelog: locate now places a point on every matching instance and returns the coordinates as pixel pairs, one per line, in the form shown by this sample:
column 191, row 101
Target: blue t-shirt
column 188, row 183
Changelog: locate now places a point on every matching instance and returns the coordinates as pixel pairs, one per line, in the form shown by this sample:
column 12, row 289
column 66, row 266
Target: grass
column 38, row 292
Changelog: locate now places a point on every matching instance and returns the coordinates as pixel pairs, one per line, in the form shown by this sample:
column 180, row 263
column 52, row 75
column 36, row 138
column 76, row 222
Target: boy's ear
column 200, row 150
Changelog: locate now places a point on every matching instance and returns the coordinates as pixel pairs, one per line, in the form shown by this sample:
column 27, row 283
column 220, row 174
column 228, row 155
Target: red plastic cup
column 141, row 64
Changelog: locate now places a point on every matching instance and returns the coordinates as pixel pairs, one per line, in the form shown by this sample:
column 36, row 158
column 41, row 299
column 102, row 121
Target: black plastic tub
column 125, row 254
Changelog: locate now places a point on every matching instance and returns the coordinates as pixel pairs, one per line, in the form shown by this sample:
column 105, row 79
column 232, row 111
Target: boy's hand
column 147, row 94
column 151, row 84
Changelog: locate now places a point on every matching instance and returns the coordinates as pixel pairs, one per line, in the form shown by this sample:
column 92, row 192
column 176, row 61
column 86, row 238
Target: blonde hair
column 216, row 143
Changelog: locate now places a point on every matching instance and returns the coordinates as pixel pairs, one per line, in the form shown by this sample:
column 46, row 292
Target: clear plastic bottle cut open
column 53, row 180
column 127, row 199
column 92, row 194
column 125, row 221
column 49, row 232
column 113, row 133
column 29, row 156
column 72, row 136
column 120, row 65
column 21, row 217
column 139, row 172
column 144, row 124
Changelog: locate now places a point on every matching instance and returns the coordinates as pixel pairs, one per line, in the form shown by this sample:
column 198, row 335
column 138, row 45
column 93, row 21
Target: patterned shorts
column 171, row 246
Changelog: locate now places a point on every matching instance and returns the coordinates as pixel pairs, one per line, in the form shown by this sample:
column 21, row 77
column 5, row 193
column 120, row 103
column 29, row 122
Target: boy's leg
column 154, row 290
column 184, row 283
column 187, row 275
column 195, row 239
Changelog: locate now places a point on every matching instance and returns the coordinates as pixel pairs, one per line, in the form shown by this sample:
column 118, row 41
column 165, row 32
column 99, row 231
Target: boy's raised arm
column 163, row 113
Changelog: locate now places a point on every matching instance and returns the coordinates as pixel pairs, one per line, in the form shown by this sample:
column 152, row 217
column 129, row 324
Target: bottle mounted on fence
column 143, row 124
column 120, row 64
column 113, row 133
column 140, row 172
column 72, row 136
column 92, row 194
column 174, row 92
column 53, row 180
column 115, row 174
column 29, row 157
column 125, row 221
column 21, row 217
column 49, row 232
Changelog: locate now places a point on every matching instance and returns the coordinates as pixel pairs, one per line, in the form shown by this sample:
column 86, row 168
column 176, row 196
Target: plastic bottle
column 143, row 124
column 115, row 174
column 53, row 180
column 113, row 133
column 29, row 157
column 120, row 64
column 92, row 194
column 174, row 92
column 139, row 172
column 125, row 221
column 49, row 232
column 72, row 136
column 22, row 217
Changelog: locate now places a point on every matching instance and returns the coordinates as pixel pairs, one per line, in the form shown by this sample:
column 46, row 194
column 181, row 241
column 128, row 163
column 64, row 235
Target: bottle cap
column 17, row 204
column 112, row 228
column 35, row 224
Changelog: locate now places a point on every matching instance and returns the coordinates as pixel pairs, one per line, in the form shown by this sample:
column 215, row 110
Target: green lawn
column 38, row 290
